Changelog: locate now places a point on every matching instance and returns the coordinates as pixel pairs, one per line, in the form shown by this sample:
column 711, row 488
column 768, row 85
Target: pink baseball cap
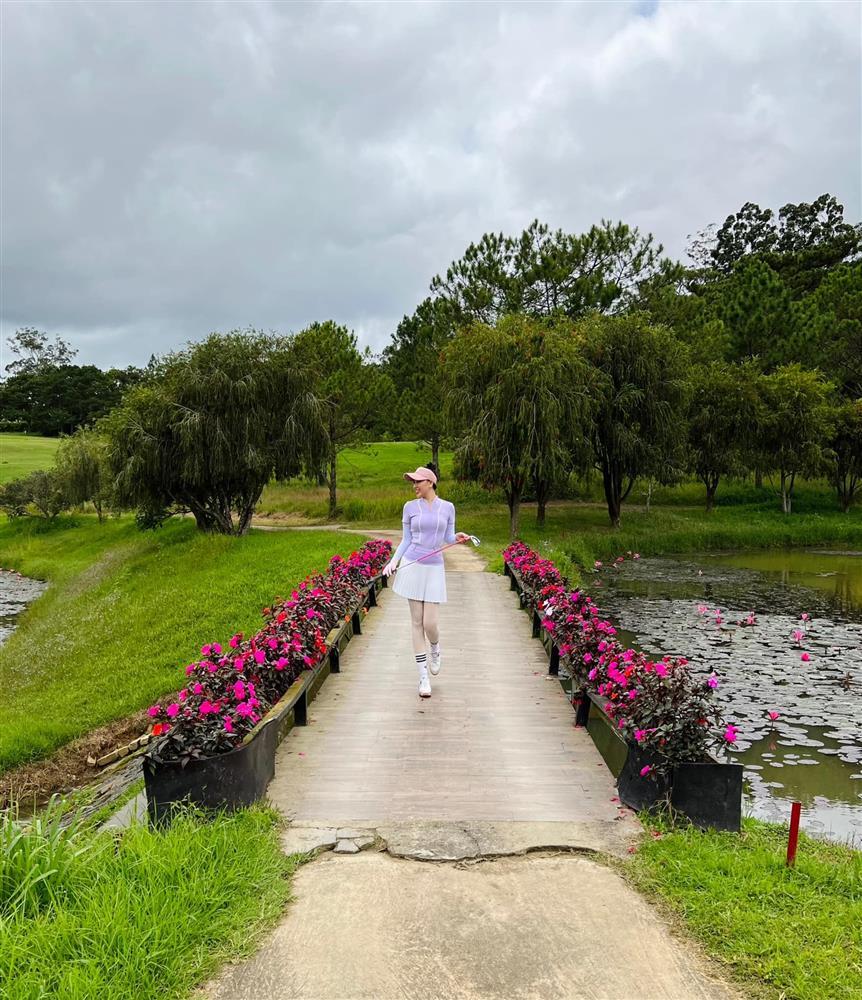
column 421, row 473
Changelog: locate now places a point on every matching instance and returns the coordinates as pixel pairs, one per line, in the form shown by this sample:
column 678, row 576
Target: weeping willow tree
column 206, row 434
column 518, row 393
column 641, row 393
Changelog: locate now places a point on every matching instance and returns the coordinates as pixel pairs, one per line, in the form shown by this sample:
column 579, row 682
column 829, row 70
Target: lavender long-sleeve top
column 426, row 528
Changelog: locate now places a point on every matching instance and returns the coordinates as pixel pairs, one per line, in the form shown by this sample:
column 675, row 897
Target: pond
column 16, row 592
column 783, row 632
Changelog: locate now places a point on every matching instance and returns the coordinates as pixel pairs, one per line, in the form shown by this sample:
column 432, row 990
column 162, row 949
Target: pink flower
column 228, row 724
column 661, row 669
column 281, row 663
column 244, row 709
column 712, row 681
column 172, row 710
column 805, row 616
column 272, row 643
column 805, row 657
column 772, row 715
column 234, row 641
column 730, row 733
column 239, row 662
column 640, row 734
column 307, row 660
column 798, row 635
column 259, row 656
column 646, row 770
column 592, row 674
column 206, row 708
column 588, row 657
column 216, row 648
column 198, row 688
column 190, row 669
column 238, row 690
column 637, row 555
column 153, row 711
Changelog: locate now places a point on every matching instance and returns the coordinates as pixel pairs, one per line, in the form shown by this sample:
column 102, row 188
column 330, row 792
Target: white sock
column 435, row 649
column 422, row 661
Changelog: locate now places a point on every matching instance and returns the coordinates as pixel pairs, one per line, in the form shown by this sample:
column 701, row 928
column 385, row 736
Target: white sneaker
column 436, row 662
column 424, row 685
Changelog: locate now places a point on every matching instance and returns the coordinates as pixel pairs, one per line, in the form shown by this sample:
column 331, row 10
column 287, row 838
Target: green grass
column 370, row 486
column 792, row 933
column 24, row 453
column 576, row 535
column 149, row 914
column 126, row 610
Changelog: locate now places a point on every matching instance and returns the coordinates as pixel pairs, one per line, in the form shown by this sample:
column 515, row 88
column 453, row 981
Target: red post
column 795, row 811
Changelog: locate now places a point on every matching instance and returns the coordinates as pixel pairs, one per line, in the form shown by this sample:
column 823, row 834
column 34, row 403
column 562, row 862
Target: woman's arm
column 450, row 525
column 406, row 536
column 451, row 534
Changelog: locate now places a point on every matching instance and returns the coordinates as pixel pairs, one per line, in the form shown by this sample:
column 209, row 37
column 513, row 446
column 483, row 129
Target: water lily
column 730, row 733
column 805, row 657
column 712, row 681
column 772, row 714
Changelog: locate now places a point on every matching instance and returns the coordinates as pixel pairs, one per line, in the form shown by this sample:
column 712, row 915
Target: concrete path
column 533, row 928
column 495, row 742
column 470, row 817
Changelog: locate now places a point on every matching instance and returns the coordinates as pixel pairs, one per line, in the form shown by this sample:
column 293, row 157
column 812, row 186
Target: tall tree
column 83, row 471
column 544, row 273
column 796, row 423
column 640, row 398
column 828, row 327
column 756, row 310
column 518, row 389
column 57, row 399
column 35, row 351
column 223, row 418
column 845, row 444
column 724, row 413
column 802, row 245
column 352, row 392
column 413, row 361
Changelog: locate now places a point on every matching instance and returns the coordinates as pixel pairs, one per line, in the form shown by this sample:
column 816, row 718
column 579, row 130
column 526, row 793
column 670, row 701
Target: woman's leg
column 417, row 627
column 431, row 622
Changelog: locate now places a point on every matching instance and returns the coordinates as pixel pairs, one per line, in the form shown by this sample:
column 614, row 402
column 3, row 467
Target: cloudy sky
column 169, row 169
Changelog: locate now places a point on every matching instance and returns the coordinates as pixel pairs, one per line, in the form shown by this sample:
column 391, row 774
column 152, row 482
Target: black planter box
column 240, row 777
column 709, row 793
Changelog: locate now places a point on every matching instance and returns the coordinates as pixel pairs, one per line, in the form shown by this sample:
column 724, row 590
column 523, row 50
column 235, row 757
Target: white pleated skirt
column 421, row 582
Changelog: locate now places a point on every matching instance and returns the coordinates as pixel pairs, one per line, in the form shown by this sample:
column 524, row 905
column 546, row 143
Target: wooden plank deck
column 496, row 741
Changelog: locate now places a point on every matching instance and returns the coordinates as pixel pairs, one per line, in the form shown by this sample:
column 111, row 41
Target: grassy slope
column 155, row 915
column 125, row 612
column 794, row 933
column 23, row 453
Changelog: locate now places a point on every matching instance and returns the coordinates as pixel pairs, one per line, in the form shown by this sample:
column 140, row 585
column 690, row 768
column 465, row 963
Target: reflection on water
column 16, row 592
column 695, row 607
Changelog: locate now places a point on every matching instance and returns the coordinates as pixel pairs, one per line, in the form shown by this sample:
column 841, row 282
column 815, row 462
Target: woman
column 429, row 523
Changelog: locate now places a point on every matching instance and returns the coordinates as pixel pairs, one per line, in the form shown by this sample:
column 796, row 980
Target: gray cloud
column 174, row 168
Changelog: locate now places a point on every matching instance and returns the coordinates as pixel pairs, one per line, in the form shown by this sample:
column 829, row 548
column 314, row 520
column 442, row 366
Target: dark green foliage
column 640, row 396
column 223, row 418
column 544, row 273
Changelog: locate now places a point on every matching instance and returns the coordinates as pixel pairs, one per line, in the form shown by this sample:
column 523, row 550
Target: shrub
column 229, row 690
column 658, row 704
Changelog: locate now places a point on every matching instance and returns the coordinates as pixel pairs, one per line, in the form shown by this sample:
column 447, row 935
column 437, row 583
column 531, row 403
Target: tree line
column 535, row 357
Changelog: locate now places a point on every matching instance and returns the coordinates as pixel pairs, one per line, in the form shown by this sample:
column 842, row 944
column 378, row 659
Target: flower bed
column 252, row 689
column 667, row 717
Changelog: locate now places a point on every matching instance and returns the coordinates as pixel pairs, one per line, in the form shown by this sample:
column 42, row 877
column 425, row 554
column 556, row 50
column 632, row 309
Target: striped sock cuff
column 421, row 658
